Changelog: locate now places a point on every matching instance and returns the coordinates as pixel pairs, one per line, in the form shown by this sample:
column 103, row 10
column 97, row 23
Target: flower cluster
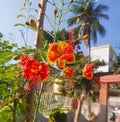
column 61, row 54
column 34, row 70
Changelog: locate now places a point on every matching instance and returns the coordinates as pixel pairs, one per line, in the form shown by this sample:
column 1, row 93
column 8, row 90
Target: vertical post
column 38, row 40
column 103, row 96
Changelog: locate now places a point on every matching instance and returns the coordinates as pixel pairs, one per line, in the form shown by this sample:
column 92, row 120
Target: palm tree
column 86, row 16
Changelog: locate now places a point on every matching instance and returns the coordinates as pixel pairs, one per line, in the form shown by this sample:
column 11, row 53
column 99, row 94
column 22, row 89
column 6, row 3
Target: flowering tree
column 33, row 68
column 79, row 78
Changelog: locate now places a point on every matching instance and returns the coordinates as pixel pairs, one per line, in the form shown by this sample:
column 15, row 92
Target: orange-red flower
column 30, row 67
column 88, row 71
column 60, row 54
column 68, row 72
column 32, row 70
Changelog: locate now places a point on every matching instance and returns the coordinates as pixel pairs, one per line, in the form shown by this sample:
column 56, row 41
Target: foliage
column 11, row 81
column 6, row 117
column 27, row 12
column 62, row 35
column 57, row 115
column 116, row 65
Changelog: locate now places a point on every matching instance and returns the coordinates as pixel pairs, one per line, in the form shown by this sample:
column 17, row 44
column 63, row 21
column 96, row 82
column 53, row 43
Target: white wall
column 105, row 53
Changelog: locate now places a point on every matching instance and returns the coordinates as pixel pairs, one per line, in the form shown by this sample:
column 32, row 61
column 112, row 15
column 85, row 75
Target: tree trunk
column 89, row 44
column 14, row 110
column 30, row 105
column 38, row 40
column 89, row 51
column 37, row 44
column 78, row 111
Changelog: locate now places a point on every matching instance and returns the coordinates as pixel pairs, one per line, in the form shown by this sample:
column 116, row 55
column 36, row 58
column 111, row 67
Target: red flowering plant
column 62, row 55
column 78, row 74
column 34, row 72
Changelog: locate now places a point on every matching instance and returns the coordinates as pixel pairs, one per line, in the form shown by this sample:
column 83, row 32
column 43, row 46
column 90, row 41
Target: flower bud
column 16, row 57
column 39, row 5
column 55, row 11
column 27, row 23
column 32, row 22
column 81, row 55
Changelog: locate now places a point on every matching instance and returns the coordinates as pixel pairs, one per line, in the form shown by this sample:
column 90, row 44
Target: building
column 105, row 53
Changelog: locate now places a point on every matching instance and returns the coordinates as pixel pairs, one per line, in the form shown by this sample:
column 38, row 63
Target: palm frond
column 89, row 12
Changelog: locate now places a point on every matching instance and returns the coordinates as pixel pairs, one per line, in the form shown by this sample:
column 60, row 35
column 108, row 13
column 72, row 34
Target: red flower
column 61, row 54
column 30, row 67
column 68, row 72
column 32, row 70
column 88, row 71
column 43, row 71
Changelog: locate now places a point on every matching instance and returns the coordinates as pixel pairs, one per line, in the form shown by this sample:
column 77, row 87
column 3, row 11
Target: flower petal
column 69, row 50
column 60, row 63
column 53, row 47
column 52, row 57
column 44, row 72
column 69, row 58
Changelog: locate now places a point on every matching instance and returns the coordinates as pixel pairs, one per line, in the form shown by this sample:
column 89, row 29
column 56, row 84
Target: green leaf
column 21, row 15
column 33, row 28
column 14, row 45
column 6, row 42
column 22, row 9
column 9, row 47
column 6, row 56
column 25, row 2
column 19, row 24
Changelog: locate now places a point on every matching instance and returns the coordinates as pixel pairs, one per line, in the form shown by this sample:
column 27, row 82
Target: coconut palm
column 86, row 16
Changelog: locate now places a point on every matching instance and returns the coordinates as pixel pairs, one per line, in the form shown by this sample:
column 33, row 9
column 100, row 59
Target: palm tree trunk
column 37, row 44
column 78, row 111
column 89, row 44
column 89, row 51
